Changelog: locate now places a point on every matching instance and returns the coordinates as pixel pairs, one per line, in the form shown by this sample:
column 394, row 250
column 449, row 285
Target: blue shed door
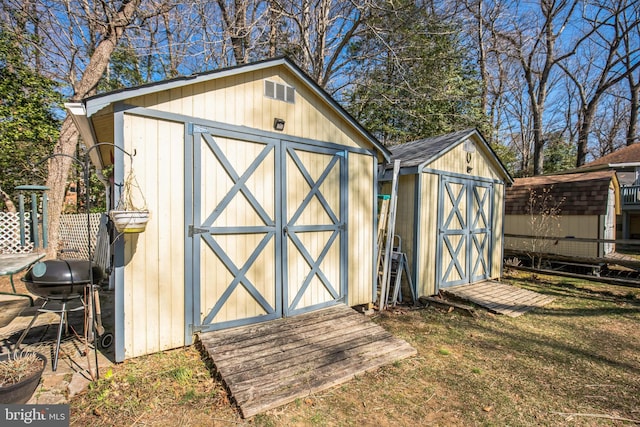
column 267, row 233
column 464, row 244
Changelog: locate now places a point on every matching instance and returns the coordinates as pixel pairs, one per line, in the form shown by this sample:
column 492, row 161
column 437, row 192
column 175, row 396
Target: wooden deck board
column 278, row 341
column 503, row 298
column 499, row 297
column 273, row 363
column 301, row 346
column 310, row 360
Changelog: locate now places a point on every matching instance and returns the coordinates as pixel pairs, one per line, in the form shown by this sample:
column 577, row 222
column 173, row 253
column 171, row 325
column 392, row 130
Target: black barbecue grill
column 60, row 281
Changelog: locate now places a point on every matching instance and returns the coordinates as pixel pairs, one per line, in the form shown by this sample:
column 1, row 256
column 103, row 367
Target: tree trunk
column 274, row 21
column 582, row 148
column 585, row 128
column 57, row 181
column 236, row 28
column 482, row 61
column 59, row 165
column 7, row 201
column 538, row 143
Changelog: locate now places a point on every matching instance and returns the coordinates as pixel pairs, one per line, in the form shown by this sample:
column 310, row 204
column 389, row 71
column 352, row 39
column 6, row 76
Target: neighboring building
column 577, row 205
column 262, row 192
column 450, row 209
column 626, row 163
column 71, row 197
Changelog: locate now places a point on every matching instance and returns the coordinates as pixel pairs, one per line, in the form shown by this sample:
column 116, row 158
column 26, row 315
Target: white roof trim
column 79, row 117
column 624, row 165
column 96, row 103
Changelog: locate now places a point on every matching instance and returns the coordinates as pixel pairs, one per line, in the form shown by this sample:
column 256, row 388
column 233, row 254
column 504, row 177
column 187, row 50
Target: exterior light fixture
column 469, row 148
column 278, row 124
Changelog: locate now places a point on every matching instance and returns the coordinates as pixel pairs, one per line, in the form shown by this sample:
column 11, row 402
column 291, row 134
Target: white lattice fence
column 10, row 234
column 73, row 235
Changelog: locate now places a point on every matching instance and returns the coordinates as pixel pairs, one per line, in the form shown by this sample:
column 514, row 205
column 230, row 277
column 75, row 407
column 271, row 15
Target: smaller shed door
column 464, row 231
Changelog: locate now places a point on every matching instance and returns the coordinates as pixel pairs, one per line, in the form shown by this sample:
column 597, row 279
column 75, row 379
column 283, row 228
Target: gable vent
column 279, row 91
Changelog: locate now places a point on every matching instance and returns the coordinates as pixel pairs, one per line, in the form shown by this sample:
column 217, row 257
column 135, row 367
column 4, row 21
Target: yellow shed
column 553, row 210
column 450, row 209
column 262, row 193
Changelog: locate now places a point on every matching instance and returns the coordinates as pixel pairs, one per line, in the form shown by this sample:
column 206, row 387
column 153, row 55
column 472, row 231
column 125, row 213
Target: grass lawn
column 574, row 362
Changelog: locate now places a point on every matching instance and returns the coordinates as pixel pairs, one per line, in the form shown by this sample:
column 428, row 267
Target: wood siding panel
column 405, row 226
column 103, row 127
column 584, row 226
column 498, row 230
column 428, row 239
column 240, row 100
column 154, row 270
column 360, row 228
column 455, row 161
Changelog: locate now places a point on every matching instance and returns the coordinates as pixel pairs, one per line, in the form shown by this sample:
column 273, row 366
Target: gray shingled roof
column 424, row 150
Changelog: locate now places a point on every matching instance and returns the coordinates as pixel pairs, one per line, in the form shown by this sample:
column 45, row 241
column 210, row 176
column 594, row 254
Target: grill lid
column 63, row 272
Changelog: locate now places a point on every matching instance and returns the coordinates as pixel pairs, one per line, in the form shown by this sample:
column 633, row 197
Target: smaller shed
column 577, row 205
column 450, row 207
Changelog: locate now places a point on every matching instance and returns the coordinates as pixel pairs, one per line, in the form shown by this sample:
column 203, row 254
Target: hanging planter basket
column 129, row 216
column 129, row 221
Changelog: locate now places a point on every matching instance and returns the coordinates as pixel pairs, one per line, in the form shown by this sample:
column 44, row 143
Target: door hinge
column 197, row 230
column 193, row 329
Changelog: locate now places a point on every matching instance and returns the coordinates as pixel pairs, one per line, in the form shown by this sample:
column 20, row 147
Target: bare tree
column 319, row 33
column 517, row 121
column 552, row 57
column 533, row 42
column 601, row 65
column 631, row 39
column 610, row 124
column 240, row 19
column 544, row 222
column 75, row 43
column 112, row 26
column 482, row 18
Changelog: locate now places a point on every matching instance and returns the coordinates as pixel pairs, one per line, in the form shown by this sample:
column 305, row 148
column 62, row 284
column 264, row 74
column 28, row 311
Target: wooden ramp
column 273, row 363
column 499, row 297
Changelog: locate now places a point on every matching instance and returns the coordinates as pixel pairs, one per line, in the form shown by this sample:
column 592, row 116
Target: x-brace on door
column 268, row 232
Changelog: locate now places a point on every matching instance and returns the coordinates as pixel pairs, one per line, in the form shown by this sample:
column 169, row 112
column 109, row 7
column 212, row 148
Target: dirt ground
column 574, row 362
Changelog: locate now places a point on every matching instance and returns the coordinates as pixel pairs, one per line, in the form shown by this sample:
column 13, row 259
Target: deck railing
column 630, row 195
